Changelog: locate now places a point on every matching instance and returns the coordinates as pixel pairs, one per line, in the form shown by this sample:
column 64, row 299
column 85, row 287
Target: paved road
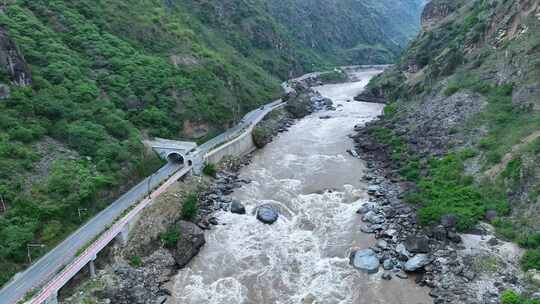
column 248, row 120
column 47, row 266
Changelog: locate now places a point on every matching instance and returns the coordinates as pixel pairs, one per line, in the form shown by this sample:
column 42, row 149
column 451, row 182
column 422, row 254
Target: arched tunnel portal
column 175, row 157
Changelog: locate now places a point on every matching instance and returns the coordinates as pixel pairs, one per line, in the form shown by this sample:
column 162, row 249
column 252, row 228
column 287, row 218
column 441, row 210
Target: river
column 304, row 256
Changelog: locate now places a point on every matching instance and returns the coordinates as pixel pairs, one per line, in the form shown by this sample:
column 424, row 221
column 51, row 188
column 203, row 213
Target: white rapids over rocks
column 304, row 256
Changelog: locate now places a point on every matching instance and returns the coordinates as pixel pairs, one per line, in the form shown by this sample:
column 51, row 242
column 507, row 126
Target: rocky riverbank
column 459, row 268
column 163, row 241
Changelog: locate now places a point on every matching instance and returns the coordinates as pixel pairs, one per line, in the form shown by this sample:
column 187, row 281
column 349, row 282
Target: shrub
column 170, row 237
column 210, row 169
column 190, row 207
column 531, row 259
column 530, row 241
column 513, row 169
column 135, row 261
column 451, row 89
column 447, row 190
column 510, row 297
column 390, row 110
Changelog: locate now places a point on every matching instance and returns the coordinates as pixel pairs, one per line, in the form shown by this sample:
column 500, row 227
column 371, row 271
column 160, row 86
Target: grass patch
column 443, row 187
column 170, row 237
column 447, row 190
column 511, row 297
column 190, row 206
column 390, row 110
column 451, row 89
column 531, row 259
column 488, row 264
column 135, row 261
column 210, row 170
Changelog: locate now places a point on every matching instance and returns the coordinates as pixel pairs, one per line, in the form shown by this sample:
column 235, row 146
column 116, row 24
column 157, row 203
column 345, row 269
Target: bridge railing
column 90, row 253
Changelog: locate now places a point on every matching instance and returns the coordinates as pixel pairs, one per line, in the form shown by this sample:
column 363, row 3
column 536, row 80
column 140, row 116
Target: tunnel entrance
column 175, row 158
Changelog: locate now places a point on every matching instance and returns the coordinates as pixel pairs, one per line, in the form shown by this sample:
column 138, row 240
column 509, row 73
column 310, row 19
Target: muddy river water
column 304, row 256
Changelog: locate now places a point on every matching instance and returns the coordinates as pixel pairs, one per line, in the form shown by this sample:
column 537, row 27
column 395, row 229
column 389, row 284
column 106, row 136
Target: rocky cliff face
column 13, row 67
column 434, row 12
column 462, row 117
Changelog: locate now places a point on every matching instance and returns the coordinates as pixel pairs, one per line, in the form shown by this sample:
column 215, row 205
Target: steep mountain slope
column 349, row 31
column 83, row 82
column 463, row 120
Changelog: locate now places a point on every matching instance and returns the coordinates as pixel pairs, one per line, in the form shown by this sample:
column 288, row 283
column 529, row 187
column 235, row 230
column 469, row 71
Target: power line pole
column 28, row 247
column 149, row 182
column 80, row 211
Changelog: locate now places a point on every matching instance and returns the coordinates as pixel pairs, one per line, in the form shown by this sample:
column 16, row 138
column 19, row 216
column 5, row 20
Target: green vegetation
column 445, row 189
column 135, row 261
column 511, row 297
column 171, row 237
column 210, row 170
column 190, row 206
column 531, row 259
column 335, row 76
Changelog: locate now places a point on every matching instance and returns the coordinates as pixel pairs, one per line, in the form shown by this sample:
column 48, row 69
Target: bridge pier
column 123, row 236
column 92, row 267
column 52, row 299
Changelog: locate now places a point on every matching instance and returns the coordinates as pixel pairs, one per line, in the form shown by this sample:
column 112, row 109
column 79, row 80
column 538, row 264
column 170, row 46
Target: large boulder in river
column 237, row 207
column 189, row 243
column 417, row 244
column 416, row 262
column 365, row 260
column 267, row 214
column 299, row 104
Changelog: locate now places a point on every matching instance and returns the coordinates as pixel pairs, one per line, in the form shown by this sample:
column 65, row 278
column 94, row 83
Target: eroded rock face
column 434, row 11
column 298, row 104
column 190, row 242
column 12, row 61
column 139, row 285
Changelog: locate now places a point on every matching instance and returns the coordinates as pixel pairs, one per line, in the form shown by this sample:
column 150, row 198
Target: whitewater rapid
column 304, row 256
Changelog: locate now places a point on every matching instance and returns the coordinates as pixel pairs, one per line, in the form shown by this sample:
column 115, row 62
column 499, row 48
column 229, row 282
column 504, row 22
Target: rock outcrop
column 435, row 11
column 12, row 62
column 189, row 243
column 138, row 284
